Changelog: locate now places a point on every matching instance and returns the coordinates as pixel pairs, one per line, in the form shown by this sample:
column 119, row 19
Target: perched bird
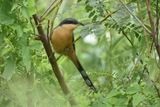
column 62, row 40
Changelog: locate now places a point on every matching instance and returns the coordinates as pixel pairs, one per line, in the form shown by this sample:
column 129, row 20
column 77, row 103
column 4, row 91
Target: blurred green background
column 114, row 49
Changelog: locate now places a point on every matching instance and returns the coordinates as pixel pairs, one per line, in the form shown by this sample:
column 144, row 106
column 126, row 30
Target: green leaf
column 25, row 12
column 26, row 57
column 94, row 18
column 9, row 69
column 6, row 19
column 88, row 8
column 2, row 34
column 100, row 104
column 93, row 3
column 91, row 14
column 79, row 0
column 113, row 93
column 117, row 101
column 133, row 88
column 19, row 30
column 31, row 7
column 137, row 98
column 14, row 7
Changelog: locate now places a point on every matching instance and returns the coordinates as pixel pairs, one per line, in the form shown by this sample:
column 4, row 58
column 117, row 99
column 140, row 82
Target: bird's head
column 70, row 23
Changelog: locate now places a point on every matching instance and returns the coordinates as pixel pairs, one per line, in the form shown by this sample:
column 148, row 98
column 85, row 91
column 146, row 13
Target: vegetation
column 118, row 47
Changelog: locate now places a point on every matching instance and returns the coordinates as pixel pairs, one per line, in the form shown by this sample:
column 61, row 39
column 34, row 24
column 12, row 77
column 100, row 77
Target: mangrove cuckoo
column 62, row 40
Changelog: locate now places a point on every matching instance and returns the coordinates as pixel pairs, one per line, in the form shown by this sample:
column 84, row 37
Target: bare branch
column 157, row 21
column 48, row 30
column 149, row 13
column 45, row 12
column 154, row 32
column 52, row 60
column 50, row 9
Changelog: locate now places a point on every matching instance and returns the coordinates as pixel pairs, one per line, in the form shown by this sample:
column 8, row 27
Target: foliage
column 119, row 60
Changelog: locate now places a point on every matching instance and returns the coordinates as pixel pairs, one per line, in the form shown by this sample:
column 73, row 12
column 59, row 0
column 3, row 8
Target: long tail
column 83, row 73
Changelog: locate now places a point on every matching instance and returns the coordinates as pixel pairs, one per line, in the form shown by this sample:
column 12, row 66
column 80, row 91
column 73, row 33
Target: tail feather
column 85, row 76
column 82, row 71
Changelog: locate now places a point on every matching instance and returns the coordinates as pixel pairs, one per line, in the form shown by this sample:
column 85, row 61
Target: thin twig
column 141, row 75
column 140, row 22
column 157, row 21
column 153, row 83
column 48, row 30
column 127, row 38
column 33, row 27
column 53, row 18
column 78, row 38
column 123, row 32
column 45, row 12
column 154, row 32
column 148, row 3
column 110, row 14
column 150, row 51
column 156, row 88
column 53, row 8
column 139, row 8
column 141, row 61
column 56, row 5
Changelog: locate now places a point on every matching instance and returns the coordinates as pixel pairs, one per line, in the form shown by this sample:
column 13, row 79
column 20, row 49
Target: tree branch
column 153, row 32
column 157, row 21
column 52, row 60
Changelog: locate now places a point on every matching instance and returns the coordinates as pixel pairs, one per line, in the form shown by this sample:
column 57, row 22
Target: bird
column 62, row 40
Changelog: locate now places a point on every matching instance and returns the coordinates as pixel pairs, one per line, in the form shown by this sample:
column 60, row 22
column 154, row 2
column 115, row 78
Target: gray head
column 70, row 21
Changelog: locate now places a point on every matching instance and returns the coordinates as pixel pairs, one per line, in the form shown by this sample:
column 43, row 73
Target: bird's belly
column 61, row 41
